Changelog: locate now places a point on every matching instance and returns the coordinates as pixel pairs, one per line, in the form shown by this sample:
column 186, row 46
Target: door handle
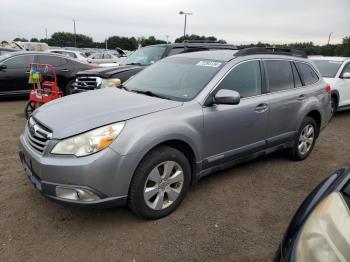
column 261, row 108
column 301, row 97
column 64, row 70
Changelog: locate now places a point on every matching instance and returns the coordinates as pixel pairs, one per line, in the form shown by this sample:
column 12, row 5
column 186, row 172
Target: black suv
column 137, row 61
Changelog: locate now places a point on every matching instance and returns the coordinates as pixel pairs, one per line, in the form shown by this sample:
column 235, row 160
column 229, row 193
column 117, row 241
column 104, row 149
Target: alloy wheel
column 163, row 185
column 306, row 139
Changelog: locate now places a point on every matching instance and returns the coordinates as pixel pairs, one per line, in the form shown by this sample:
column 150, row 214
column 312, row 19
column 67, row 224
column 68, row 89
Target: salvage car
column 137, row 61
column 320, row 229
column 71, row 53
column 336, row 72
column 103, row 58
column 14, row 71
column 175, row 122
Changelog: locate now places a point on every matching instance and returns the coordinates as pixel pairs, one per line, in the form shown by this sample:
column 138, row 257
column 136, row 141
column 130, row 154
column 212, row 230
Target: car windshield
column 175, row 78
column 328, row 68
column 145, row 55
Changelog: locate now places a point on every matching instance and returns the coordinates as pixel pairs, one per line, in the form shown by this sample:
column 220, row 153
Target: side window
column 175, row 51
column 346, row 68
column 107, row 56
column 97, row 56
column 297, row 80
column 244, row 78
column 70, row 54
column 307, row 73
column 21, row 61
column 51, row 60
column 280, row 75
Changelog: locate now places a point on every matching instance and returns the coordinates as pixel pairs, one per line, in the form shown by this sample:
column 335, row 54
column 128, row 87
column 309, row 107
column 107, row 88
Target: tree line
column 65, row 39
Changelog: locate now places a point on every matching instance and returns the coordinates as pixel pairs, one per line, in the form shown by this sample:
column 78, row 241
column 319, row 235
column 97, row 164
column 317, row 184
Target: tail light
column 91, row 68
column 328, row 88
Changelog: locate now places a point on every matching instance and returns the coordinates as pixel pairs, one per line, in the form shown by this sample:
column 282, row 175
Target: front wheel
column 305, row 139
column 160, row 183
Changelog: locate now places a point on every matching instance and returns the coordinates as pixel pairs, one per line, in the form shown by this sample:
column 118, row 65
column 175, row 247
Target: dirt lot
column 236, row 215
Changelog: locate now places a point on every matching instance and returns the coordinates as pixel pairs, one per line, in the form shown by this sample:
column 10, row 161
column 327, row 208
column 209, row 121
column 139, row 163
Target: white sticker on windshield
column 208, row 63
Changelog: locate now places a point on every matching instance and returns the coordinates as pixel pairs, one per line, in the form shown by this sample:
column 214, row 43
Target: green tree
column 33, row 39
column 151, row 41
column 67, row 39
column 196, row 37
column 20, row 39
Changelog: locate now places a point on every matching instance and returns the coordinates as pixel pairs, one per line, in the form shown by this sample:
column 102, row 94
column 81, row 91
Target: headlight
column 326, row 233
column 89, row 142
column 113, row 82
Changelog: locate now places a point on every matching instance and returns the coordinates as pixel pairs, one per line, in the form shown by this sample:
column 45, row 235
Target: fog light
column 79, row 194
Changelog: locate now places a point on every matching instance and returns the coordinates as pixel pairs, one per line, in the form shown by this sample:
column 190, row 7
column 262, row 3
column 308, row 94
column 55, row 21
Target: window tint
column 297, row 80
column 22, row 61
column 51, row 60
column 97, row 56
column 280, row 75
column 107, row 56
column 175, row 51
column 70, row 54
column 307, row 73
column 245, row 79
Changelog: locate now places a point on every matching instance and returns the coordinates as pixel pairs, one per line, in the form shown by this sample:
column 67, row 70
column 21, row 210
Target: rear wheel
column 305, row 139
column 160, row 183
column 334, row 105
column 29, row 108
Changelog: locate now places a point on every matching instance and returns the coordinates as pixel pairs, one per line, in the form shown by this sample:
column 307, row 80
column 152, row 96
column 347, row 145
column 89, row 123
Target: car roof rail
column 271, row 51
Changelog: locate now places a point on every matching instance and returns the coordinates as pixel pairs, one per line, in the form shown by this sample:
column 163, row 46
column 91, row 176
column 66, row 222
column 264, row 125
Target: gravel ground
column 236, row 215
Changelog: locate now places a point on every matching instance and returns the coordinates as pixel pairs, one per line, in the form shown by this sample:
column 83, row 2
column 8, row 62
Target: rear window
column 280, row 75
column 307, row 73
column 328, row 68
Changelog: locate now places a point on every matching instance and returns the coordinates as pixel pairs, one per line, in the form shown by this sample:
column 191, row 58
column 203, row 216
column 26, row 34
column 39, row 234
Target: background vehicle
column 180, row 119
column 320, row 229
column 71, row 53
column 7, row 50
column 138, row 61
column 336, row 72
column 103, row 58
column 32, row 46
column 14, row 71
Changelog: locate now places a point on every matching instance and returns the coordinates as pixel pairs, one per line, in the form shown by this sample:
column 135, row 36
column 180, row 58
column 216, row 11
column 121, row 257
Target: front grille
column 37, row 135
column 86, row 83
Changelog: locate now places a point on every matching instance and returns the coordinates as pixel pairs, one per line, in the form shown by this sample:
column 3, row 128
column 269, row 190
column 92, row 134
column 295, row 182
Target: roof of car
column 331, row 58
column 198, row 45
column 220, row 55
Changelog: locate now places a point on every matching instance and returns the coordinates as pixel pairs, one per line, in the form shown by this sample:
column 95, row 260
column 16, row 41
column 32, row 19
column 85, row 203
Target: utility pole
column 106, row 44
column 46, row 34
column 167, row 38
column 329, row 37
column 75, row 34
column 186, row 14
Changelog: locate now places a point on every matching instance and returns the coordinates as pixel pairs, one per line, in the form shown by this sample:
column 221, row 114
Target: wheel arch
column 316, row 115
column 335, row 94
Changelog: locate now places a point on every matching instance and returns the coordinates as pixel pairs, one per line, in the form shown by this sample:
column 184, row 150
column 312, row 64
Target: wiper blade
column 124, row 87
column 150, row 93
column 139, row 64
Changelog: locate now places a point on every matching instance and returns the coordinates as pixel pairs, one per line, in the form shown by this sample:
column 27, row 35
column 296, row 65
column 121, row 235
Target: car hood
column 78, row 113
column 109, row 71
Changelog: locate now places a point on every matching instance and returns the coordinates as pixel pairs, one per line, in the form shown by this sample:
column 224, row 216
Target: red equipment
column 45, row 89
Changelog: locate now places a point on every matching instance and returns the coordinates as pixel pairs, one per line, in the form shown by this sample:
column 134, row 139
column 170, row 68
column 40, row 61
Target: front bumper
column 106, row 175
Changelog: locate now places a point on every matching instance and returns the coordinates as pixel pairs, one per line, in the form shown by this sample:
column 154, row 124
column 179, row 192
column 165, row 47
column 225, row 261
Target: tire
column 152, row 195
column 303, row 145
column 68, row 89
column 334, row 105
column 29, row 108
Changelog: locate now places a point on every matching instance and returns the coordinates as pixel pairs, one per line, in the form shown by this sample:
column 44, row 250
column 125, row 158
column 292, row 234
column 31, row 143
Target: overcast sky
column 236, row 21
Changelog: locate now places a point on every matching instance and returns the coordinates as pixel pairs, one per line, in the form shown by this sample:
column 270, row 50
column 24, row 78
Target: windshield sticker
column 208, row 63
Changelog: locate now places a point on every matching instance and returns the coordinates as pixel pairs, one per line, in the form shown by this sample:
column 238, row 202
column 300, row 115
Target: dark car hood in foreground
column 107, row 72
column 78, row 113
column 335, row 182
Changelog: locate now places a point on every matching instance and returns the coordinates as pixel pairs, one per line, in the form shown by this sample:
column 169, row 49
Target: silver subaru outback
column 180, row 119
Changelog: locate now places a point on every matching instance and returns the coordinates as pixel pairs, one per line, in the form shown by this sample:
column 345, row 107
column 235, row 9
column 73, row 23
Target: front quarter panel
column 141, row 134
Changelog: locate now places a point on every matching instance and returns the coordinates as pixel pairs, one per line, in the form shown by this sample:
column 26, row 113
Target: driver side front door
column 235, row 131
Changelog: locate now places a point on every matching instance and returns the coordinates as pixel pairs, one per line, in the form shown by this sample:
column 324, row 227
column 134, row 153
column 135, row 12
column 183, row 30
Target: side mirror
column 346, row 75
column 3, row 66
column 227, row 97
